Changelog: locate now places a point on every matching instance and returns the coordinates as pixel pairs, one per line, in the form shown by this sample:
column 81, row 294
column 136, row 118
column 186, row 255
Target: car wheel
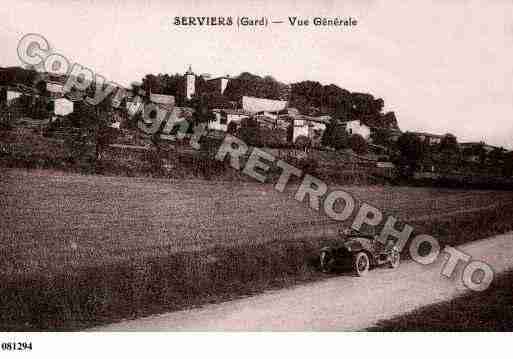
column 395, row 258
column 361, row 263
column 326, row 261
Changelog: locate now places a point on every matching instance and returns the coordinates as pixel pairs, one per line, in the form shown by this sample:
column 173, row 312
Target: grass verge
column 490, row 310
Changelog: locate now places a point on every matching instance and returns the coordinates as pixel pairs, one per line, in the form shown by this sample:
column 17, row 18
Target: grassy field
column 52, row 221
column 491, row 310
column 80, row 250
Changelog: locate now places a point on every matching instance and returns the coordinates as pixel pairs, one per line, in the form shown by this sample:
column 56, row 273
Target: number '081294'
column 12, row 346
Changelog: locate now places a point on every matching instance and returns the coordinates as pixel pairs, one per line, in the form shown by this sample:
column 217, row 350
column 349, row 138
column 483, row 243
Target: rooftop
column 230, row 111
column 426, row 134
column 255, row 104
column 227, row 77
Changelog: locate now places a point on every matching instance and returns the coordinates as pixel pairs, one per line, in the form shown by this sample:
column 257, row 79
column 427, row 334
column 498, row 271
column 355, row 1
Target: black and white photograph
column 322, row 167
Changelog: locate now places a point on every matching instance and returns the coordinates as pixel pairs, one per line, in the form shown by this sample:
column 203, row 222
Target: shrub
column 232, row 128
column 302, row 143
column 335, row 136
column 249, row 132
column 358, row 144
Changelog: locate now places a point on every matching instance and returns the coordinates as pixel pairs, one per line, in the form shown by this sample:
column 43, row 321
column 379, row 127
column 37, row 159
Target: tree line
column 309, row 97
column 414, row 154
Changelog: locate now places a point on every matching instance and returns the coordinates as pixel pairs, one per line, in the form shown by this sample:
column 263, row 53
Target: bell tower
column 190, row 82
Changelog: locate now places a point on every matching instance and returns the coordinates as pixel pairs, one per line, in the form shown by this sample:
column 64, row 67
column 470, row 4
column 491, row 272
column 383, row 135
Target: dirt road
column 341, row 303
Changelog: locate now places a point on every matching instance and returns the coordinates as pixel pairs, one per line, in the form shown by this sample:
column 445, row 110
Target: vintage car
column 360, row 252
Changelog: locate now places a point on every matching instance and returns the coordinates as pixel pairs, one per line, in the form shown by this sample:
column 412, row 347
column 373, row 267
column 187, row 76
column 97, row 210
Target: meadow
column 79, row 250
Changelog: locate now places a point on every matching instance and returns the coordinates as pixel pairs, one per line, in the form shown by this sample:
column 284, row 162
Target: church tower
column 190, row 82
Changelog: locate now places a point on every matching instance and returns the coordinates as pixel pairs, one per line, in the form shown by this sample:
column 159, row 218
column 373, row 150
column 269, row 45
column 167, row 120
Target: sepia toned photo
column 253, row 166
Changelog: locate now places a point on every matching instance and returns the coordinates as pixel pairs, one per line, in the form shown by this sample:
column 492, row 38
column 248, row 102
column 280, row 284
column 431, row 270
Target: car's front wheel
column 361, row 263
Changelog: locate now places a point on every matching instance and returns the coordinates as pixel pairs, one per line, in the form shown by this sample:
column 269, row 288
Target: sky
column 442, row 66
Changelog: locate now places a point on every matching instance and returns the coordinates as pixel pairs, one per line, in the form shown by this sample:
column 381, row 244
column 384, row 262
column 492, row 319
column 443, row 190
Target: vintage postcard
column 255, row 166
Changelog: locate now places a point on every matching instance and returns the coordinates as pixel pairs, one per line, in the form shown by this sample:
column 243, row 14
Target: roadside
column 491, row 310
column 342, row 303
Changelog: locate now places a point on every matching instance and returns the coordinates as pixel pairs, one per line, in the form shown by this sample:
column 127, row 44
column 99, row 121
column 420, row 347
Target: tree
column 248, row 84
column 449, row 150
column 496, row 156
column 232, row 128
column 4, row 117
column 249, row 132
column 135, row 87
column 507, row 169
column 302, row 143
column 449, row 143
column 94, row 124
column 358, row 144
column 335, row 136
column 389, row 120
column 381, row 137
column 476, row 150
column 168, row 85
column 210, row 100
column 365, row 105
column 481, row 153
column 411, row 151
column 18, row 75
column 217, row 100
column 341, row 103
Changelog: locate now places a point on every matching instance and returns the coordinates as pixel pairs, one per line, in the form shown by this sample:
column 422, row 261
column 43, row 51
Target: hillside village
column 306, row 118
